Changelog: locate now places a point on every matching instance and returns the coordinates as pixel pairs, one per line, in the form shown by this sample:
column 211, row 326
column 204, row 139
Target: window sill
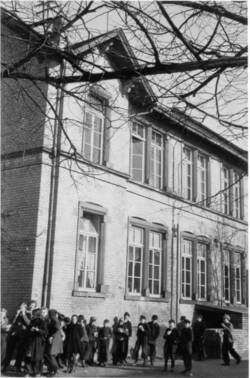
column 140, row 298
column 88, row 294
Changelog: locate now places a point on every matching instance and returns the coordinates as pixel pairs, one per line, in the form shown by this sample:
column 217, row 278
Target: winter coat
column 128, row 328
column 74, row 334
column 186, row 340
column 227, row 332
column 37, row 339
column 198, row 330
column 154, row 331
column 142, row 335
column 54, row 331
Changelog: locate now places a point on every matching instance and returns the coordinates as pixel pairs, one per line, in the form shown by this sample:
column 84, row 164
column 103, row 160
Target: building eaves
column 187, row 124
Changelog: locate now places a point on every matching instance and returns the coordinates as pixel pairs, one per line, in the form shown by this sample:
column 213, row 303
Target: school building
column 112, row 202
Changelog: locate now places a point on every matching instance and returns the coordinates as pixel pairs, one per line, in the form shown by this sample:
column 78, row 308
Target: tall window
column 155, row 258
column 236, row 195
column 237, row 277
column 138, row 152
column 202, row 178
column 135, row 260
column 87, row 251
column 156, row 160
column 225, row 188
column 188, row 173
column 186, row 269
column 201, row 270
column 227, row 275
column 92, row 147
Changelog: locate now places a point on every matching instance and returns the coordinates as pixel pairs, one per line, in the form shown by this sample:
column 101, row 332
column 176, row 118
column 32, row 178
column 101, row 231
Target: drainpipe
column 55, row 165
column 177, row 270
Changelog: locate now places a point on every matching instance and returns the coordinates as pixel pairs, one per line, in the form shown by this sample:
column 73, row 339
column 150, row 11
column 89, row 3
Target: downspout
column 55, row 165
column 177, row 270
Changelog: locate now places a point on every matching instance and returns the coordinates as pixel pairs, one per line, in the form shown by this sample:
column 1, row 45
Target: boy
column 170, row 346
column 142, row 340
column 186, row 345
column 154, row 331
column 104, row 336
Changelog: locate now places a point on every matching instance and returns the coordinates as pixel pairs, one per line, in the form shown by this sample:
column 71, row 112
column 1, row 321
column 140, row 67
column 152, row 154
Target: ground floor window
column 145, row 268
column 89, row 249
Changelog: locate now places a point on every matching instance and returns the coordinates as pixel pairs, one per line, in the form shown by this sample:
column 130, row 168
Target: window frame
column 95, row 113
column 191, row 258
column 199, row 259
column 99, row 211
column 186, row 163
column 226, row 251
column 134, row 246
column 148, row 227
column 154, row 147
column 143, row 140
column 204, row 201
column 239, row 267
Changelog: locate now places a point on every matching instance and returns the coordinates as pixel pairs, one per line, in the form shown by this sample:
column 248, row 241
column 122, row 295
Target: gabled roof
column 118, row 51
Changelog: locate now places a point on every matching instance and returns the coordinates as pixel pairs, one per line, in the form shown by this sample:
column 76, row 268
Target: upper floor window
column 201, row 271
column 93, row 130
column 202, row 178
column 236, row 195
column 225, row 188
column 138, row 152
column 156, row 160
column 186, row 268
column 226, row 271
column 188, row 173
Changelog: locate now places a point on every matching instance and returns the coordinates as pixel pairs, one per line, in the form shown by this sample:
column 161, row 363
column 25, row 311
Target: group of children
column 41, row 336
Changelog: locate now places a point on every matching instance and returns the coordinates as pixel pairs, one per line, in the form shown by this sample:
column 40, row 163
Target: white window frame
column 184, row 256
column 154, row 249
column 237, row 267
column 226, row 192
column 135, row 135
column 202, row 169
column 86, row 235
column 188, row 162
column 226, row 263
column 153, row 161
column 236, row 195
column 200, row 258
column 94, row 114
column 133, row 244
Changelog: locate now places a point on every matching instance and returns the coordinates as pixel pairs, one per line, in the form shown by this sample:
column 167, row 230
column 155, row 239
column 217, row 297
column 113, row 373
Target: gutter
column 54, row 181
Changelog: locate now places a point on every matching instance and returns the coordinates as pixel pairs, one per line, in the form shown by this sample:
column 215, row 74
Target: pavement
column 201, row 369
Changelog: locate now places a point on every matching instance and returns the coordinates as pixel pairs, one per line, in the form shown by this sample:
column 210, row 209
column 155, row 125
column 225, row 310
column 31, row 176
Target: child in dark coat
column 170, row 346
column 120, row 352
column 36, row 343
column 154, row 331
column 142, row 340
column 74, row 334
column 104, row 336
column 84, row 339
column 92, row 332
column 186, row 345
column 128, row 333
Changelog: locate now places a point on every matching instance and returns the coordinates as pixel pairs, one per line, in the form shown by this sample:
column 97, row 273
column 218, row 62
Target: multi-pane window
column 135, row 260
column 201, row 271
column 225, row 188
column 227, row 275
column 87, row 251
column 92, row 147
column 186, row 269
column 155, row 261
column 156, row 160
column 188, row 173
column 138, row 152
column 236, row 195
column 202, row 178
column 237, row 267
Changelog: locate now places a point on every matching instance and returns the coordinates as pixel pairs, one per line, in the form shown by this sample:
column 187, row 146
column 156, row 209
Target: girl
column 104, row 336
column 74, row 334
